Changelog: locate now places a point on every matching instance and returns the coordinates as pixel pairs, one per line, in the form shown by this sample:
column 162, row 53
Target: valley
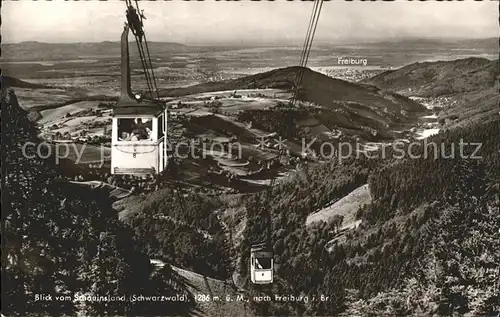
column 353, row 226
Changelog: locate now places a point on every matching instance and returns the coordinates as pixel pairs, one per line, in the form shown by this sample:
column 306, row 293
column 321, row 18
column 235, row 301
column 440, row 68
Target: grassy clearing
column 346, row 206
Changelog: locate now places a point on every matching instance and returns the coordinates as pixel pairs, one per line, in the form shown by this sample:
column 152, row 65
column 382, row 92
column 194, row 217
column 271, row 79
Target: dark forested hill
column 343, row 104
column 430, row 79
column 468, row 86
column 426, row 244
column 183, row 232
column 8, row 81
column 314, row 87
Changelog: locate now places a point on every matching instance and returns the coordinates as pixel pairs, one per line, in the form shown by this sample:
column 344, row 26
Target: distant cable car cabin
column 261, row 264
column 139, row 127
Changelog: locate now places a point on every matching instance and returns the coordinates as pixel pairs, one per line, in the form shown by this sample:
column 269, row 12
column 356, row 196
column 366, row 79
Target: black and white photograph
column 250, row 158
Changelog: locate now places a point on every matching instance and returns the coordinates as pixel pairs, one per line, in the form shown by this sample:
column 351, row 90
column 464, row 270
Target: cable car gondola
column 139, row 125
column 261, row 264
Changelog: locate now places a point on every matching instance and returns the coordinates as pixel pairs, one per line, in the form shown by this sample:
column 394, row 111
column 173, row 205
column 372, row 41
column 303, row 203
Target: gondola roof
column 136, row 108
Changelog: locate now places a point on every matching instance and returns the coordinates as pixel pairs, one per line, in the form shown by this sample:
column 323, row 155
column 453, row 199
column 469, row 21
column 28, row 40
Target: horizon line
column 274, row 43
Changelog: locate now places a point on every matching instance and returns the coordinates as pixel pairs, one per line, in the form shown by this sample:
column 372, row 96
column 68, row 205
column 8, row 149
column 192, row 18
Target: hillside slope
column 466, row 90
column 449, row 210
column 328, row 104
column 432, row 79
column 346, row 207
column 219, row 306
column 61, row 239
column 314, row 87
column 8, row 81
column 426, row 244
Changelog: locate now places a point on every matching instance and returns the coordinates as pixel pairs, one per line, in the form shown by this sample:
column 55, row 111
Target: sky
column 245, row 22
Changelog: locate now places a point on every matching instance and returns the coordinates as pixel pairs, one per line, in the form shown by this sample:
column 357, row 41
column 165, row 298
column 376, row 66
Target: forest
column 423, row 212
column 183, row 231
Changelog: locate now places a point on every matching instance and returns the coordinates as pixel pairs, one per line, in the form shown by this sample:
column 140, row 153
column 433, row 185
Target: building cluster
column 351, row 74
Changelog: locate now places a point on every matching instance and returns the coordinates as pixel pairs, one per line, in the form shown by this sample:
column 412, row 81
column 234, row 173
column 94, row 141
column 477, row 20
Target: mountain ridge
column 9, row 81
column 41, row 51
column 341, row 103
column 330, row 89
column 433, row 79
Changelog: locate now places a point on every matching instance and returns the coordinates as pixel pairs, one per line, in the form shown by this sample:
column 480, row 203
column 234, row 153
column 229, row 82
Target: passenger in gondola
column 140, row 130
column 125, row 136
